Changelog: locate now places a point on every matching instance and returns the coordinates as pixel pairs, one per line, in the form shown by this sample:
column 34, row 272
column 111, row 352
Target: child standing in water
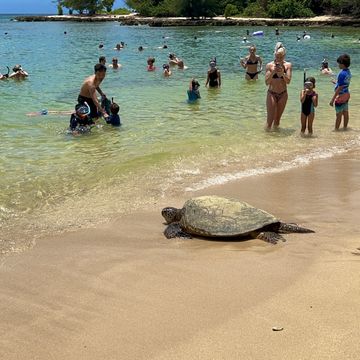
column 342, row 95
column 309, row 101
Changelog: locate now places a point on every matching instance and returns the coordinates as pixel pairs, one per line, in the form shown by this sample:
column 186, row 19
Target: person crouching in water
column 194, row 92
column 114, row 118
column 80, row 121
column 309, row 101
column 88, row 91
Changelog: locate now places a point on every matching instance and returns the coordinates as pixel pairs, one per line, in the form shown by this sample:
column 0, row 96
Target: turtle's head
column 171, row 214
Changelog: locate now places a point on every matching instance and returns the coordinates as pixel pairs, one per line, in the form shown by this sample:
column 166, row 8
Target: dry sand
column 123, row 291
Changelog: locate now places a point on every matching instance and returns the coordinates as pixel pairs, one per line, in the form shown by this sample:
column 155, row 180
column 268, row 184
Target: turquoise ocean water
column 52, row 182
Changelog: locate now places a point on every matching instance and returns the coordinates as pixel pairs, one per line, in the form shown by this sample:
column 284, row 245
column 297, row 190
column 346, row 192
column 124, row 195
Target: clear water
column 53, row 182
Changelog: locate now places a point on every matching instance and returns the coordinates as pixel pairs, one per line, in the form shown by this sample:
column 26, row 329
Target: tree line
column 209, row 8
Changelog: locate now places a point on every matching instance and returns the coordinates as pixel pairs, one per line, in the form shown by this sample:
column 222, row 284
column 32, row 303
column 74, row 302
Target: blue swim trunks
column 339, row 108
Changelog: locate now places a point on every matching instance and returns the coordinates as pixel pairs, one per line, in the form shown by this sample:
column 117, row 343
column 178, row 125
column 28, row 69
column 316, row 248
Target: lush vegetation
column 253, row 8
column 210, row 8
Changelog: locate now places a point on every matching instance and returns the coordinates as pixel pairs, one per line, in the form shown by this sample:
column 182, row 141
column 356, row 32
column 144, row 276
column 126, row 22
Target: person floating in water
column 194, row 92
column 342, row 95
column 88, row 91
column 166, row 70
column 114, row 118
column 150, row 64
column 252, row 63
column 213, row 75
column 80, row 120
column 309, row 101
column 18, row 73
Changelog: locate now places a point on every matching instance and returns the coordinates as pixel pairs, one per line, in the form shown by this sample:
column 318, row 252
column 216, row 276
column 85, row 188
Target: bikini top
column 250, row 62
column 276, row 76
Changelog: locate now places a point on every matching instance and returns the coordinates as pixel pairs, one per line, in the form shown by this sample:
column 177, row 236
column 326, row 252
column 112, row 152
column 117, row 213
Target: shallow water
column 52, row 182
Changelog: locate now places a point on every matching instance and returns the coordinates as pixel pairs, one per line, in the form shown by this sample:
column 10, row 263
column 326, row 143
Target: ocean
column 52, row 182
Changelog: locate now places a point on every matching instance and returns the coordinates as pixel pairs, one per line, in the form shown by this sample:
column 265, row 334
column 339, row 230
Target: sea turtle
column 218, row 217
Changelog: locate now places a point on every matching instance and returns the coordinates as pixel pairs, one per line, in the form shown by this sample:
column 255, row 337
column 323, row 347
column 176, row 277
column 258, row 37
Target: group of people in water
column 278, row 75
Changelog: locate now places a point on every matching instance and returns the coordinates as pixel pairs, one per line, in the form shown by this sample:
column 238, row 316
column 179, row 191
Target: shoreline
column 134, row 20
column 124, row 291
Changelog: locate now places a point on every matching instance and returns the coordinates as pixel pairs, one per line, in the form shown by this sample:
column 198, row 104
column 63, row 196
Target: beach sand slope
column 123, row 291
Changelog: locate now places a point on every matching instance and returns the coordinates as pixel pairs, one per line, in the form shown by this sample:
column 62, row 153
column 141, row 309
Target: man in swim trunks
column 88, row 91
column 277, row 77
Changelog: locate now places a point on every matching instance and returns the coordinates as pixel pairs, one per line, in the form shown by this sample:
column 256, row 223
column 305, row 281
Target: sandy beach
column 123, row 291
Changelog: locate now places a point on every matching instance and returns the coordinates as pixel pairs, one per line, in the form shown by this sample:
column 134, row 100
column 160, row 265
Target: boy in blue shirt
column 342, row 95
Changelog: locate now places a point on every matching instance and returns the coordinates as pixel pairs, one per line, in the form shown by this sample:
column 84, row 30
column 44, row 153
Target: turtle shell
column 222, row 217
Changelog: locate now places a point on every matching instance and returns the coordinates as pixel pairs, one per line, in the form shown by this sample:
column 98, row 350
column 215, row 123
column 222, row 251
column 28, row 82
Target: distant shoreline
column 182, row 21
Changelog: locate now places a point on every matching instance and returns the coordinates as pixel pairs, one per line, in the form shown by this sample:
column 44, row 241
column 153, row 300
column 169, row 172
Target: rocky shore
column 134, row 20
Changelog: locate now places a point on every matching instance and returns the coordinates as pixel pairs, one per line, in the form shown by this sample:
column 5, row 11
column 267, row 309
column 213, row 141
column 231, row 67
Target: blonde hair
column 280, row 49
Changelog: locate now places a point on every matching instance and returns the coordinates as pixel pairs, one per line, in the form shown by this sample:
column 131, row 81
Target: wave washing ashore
column 53, row 182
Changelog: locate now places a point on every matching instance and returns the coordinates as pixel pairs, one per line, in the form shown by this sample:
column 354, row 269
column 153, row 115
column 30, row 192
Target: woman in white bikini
column 277, row 77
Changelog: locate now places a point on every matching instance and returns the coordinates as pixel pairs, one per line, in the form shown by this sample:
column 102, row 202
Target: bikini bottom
column 252, row 75
column 277, row 96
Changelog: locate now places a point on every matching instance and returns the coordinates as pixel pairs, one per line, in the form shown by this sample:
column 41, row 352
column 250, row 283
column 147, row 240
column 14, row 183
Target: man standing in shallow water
column 88, row 91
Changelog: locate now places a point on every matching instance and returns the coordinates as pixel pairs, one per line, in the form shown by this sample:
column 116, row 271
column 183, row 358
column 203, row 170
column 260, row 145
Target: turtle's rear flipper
column 293, row 228
column 270, row 237
column 174, row 231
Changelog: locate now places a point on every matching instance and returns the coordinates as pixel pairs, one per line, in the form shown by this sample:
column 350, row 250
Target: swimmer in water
column 18, row 73
column 325, row 68
column 166, row 70
column 173, row 60
column 115, row 64
column 150, row 64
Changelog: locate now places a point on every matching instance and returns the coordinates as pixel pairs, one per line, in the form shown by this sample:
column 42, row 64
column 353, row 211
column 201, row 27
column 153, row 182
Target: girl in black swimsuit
column 213, row 76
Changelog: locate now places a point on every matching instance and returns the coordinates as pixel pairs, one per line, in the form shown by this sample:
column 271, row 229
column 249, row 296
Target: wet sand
column 123, row 291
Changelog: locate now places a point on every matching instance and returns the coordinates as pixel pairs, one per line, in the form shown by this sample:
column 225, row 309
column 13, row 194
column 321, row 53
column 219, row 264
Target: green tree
column 108, row 4
column 230, row 10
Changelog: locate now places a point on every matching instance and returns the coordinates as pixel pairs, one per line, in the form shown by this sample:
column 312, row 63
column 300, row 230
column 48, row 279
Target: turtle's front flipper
column 293, row 228
column 174, row 231
column 270, row 237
